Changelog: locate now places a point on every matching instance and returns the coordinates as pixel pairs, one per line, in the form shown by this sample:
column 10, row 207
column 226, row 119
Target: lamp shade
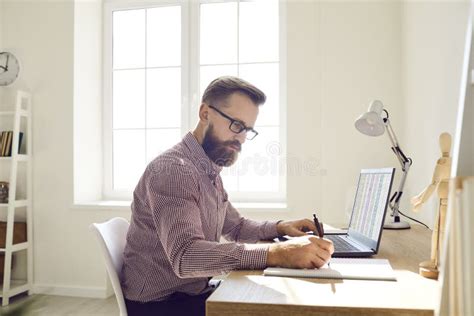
column 371, row 122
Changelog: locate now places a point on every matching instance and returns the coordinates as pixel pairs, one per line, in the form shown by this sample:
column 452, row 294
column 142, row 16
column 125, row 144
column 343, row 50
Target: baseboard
column 77, row 291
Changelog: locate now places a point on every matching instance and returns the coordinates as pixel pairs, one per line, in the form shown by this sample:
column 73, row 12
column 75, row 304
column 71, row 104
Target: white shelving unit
column 10, row 286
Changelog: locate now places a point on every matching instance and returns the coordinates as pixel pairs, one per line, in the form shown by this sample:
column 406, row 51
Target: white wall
column 360, row 42
column 341, row 55
column 433, row 34
column 66, row 259
column 87, row 100
column 1, row 38
column 1, row 18
column 1, row 24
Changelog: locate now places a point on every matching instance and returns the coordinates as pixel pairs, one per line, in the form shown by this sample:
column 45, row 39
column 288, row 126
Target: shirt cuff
column 254, row 256
column 270, row 230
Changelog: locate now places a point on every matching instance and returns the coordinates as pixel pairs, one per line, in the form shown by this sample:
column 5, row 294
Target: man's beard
column 218, row 151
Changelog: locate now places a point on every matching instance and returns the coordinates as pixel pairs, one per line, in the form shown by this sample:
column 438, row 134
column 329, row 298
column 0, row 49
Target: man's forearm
column 253, row 231
column 205, row 258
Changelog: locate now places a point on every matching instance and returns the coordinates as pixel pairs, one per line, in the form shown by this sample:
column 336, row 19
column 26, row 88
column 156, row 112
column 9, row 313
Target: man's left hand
column 295, row 228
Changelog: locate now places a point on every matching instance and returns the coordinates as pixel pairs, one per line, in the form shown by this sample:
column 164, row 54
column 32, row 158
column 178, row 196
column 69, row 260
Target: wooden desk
column 251, row 293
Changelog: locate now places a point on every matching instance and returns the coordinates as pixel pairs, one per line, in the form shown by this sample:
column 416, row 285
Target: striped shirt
column 180, row 211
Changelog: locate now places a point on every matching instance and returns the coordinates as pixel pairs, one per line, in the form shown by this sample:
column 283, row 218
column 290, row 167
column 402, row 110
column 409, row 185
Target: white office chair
column 112, row 237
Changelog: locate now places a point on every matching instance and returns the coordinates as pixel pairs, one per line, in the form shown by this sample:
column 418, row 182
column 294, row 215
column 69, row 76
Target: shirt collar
column 202, row 160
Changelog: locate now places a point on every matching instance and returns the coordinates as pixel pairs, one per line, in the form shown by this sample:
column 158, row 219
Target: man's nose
column 241, row 137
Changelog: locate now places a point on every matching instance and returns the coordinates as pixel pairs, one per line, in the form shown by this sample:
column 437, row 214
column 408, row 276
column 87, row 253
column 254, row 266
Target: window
column 159, row 58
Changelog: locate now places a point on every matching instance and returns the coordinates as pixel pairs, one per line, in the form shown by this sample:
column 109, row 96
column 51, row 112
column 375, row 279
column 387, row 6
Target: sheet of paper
column 342, row 268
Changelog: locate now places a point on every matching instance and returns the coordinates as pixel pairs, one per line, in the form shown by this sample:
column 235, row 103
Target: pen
column 318, row 227
column 319, row 230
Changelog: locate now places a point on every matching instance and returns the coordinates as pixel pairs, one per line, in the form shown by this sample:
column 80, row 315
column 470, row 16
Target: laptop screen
column 368, row 213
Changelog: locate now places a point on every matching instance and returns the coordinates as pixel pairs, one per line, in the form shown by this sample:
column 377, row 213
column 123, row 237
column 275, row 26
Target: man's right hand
column 301, row 252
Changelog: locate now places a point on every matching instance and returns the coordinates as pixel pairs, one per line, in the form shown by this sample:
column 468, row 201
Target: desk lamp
column 374, row 123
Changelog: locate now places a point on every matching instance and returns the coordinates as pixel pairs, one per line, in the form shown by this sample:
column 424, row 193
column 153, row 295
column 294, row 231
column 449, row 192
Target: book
column 6, row 143
column 20, row 139
column 1, row 143
column 9, row 143
column 342, row 268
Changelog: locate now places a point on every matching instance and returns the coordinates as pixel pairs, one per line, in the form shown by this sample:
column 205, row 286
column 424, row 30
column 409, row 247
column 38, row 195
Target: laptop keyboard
column 340, row 244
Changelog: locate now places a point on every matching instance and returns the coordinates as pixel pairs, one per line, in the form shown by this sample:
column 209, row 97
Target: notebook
column 342, row 268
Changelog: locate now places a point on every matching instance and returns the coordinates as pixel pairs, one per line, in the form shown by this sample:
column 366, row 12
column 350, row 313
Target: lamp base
column 396, row 224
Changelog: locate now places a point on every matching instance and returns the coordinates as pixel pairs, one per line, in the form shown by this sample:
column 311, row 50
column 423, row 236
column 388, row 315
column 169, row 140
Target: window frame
column 190, row 86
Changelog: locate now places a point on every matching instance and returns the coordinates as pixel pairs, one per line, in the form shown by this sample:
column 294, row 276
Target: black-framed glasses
column 237, row 126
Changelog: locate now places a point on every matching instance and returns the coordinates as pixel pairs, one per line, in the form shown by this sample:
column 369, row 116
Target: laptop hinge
column 359, row 244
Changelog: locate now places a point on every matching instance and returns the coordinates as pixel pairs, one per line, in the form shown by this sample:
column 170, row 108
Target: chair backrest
column 112, row 237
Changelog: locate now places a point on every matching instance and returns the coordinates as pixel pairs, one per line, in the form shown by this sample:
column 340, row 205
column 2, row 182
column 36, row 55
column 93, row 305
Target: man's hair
column 219, row 89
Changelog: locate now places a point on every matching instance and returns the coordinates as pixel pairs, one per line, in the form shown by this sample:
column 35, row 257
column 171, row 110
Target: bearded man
column 180, row 210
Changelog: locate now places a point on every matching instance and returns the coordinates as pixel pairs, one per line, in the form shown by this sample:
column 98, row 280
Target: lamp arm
column 402, row 158
column 394, row 202
column 405, row 163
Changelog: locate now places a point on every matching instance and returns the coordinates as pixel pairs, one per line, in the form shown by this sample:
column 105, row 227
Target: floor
column 59, row 305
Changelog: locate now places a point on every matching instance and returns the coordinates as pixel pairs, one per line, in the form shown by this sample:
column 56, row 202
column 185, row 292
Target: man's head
column 227, row 115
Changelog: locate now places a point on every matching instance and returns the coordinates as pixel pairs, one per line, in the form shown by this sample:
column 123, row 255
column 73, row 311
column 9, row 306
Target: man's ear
column 204, row 113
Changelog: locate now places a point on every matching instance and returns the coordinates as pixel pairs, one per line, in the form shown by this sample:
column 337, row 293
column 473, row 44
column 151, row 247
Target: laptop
column 363, row 236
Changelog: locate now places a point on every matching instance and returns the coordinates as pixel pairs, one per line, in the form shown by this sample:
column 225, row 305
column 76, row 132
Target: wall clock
column 9, row 68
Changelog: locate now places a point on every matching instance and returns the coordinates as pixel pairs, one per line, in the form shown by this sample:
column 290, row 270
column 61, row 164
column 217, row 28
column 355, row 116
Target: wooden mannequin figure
column 440, row 181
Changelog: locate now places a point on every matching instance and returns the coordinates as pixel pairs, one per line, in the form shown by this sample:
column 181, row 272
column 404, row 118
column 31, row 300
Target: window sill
column 125, row 206
column 260, row 206
column 102, row 205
